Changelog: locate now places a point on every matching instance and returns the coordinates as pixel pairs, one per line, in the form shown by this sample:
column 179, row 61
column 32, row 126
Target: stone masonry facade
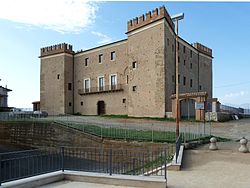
column 134, row 76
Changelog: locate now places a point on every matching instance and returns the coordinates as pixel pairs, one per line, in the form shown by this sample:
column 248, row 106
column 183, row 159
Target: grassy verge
column 131, row 117
column 132, row 134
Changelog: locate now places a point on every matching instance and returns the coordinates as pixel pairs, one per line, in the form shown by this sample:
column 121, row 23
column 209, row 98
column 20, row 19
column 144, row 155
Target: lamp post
column 175, row 19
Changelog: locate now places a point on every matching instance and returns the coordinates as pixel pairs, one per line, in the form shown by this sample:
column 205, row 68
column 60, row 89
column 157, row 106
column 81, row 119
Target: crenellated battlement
column 203, row 49
column 150, row 17
column 56, row 49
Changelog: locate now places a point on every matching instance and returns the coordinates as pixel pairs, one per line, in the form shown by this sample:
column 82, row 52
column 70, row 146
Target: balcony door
column 113, row 81
column 101, row 83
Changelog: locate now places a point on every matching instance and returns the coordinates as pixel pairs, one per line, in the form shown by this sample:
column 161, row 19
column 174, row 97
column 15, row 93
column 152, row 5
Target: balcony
column 103, row 89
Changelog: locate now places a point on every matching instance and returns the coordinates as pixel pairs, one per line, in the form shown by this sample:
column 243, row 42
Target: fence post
column 165, row 163
column 134, row 166
column 62, row 158
column 0, row 169
column 110, row 162
column 152, row 133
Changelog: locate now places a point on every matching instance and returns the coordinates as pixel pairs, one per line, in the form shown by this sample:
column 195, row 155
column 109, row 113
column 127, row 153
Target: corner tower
column 56, row 79
column 146, row 58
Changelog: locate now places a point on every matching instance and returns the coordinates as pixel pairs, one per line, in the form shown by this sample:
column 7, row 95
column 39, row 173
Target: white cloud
column 103, row 38
column 65, row 16
column 237, row 94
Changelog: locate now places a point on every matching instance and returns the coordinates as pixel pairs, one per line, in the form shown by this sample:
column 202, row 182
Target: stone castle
column 134, row 76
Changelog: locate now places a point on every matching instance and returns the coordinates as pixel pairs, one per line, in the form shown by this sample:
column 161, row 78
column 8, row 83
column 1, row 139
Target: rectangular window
column 87, row 85
column 86, row 62
column 100, row 58
column 173, row 79
column 191, row 65
column 184, row 62
column 134, row 88
column 58, row 76
column 101, row 83
column 134, row 65
column 69, row 103
column 191, row 83
column 184, row 80
column 200, row 87
column 113, row 56
column 168, row 41
column 69, row 86
column 191, row 53
column 113, row 81
column 184, row 49
column 81, row 103
column 178, row 78
column 179, row 59
column 124, row 100
column 127, row 79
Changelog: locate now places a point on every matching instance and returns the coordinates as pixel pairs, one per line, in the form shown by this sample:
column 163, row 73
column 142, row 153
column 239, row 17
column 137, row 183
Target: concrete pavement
column 225, row 167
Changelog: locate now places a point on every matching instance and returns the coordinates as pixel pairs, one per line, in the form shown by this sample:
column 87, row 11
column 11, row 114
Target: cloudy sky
column 28, row 25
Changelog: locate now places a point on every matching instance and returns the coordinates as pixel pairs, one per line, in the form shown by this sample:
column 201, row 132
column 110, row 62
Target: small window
column 184, row 49
column 124, row 100
column 184, row 80
column 191, row 53
column 134, row 88
column 179, row 59
column 86, row 62
column 69, row 86
column 200, row 87
column 184, row 62
column 127, row 79
column 134, row 65
column 168, row 41
column 178, row 78
column 191, row 83
column 58, row 76
column 113, row 56
column 81, row 103
column 173, row 79
column 69, row 103
column 100, row 58
column 191, row 65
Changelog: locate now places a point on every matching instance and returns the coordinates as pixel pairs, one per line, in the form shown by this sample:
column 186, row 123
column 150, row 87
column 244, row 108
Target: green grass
column 131, row 117
column 131, row 134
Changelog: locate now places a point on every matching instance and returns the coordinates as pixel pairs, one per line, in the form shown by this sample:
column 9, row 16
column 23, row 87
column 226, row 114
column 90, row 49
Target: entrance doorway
column 100, row 107
column 187, row 109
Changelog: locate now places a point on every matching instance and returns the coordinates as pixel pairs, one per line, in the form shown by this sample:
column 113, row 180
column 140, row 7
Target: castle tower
column 56, row 79
column 146, row 58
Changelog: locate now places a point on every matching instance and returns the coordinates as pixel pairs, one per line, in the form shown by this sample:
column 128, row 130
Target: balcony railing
column 102, row 89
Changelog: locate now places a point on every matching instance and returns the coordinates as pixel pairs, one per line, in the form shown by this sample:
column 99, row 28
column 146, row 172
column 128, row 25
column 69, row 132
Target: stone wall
column 54, row 135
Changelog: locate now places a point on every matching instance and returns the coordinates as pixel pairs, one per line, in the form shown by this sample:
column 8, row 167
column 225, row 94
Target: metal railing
column 104, row 128
column 106, row 88
column 177, row 147
column 133, row 161
column 151, row 133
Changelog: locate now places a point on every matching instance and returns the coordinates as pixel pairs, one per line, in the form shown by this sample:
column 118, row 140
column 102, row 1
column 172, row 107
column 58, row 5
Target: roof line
column 78, row 52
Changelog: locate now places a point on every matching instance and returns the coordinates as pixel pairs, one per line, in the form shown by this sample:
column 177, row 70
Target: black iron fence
column 18, row 165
